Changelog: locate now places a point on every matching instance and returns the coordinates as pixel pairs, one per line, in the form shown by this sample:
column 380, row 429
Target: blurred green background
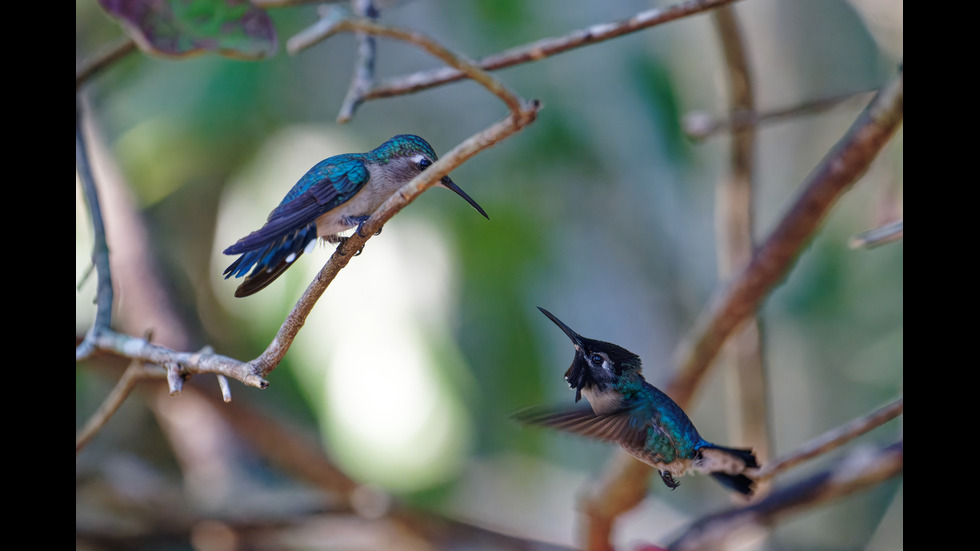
column 602, row 211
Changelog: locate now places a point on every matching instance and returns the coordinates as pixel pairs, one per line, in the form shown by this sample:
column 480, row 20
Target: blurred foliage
column 601, row 211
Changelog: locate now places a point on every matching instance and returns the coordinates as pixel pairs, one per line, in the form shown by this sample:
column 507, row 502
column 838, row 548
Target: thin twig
column 861, row 470
column 137, row 370
column 832, row 439
column 363, row 78
column 877, row 237
column 330, row 25
column 700, row 126
column 103, row 60
column 190, row 363
column 547, row 47
column 100, row 250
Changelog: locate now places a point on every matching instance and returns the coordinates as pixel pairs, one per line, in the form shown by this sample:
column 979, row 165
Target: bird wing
column 324, row 187
column 291, row 226
column 619, row 426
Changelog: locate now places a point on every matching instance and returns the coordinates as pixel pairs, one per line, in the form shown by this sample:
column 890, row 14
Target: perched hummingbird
column 643, row 420
column 337, row 194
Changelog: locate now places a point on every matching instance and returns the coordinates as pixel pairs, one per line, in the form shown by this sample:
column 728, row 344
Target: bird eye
column 596, row 359
column 424, row 163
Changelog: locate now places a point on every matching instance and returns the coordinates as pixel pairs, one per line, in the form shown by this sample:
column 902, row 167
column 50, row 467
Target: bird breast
column 363, row 203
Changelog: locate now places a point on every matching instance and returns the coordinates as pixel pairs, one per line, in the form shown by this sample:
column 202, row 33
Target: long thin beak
column 449, row 184
column 576, row 339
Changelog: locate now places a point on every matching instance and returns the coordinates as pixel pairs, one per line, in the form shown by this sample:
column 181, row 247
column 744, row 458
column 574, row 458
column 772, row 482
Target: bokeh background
column 602, row 211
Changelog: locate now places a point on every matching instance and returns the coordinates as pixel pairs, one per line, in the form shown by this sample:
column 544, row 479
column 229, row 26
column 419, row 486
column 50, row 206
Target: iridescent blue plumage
column 337, row 194
column 624, row 408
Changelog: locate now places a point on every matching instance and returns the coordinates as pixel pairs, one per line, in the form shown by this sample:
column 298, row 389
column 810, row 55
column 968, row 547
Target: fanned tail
column 738, row 482
column 726, row 466
column 267, row 261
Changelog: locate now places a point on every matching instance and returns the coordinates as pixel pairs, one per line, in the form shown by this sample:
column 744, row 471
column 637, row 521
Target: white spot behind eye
column 418, row 158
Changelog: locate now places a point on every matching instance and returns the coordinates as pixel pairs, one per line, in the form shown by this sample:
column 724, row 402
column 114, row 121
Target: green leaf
column 180, row 28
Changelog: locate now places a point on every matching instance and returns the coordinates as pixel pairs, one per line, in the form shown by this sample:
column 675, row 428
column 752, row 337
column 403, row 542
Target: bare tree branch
column 540, row 49
column 103, row 60
column 700, row 126
column 100, row 250
column 364, row 65
column 878, row 236
column 136, row 371
column 832, row 439
column 184, row 364
column 861, row 470
column 330, row 25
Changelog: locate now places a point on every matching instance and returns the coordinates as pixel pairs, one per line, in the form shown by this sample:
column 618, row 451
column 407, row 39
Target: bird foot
column 341, row 241
column 669, row 480
column 361, row 225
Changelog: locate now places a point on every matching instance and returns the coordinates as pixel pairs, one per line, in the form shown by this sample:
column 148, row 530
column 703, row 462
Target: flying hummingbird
column 633, row 413
column 338, row 193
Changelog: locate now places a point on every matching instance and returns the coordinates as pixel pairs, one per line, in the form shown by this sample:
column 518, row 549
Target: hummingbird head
column 596, row 363
column 405, row 156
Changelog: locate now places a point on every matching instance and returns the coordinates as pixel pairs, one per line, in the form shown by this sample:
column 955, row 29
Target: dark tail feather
column 738, row 482
column 268, row 261
column 259, row 280
column 745, row 455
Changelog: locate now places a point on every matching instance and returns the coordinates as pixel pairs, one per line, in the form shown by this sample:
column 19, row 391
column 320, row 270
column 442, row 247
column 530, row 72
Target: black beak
column 578, row 372
column 576, row 339
column 447, row 183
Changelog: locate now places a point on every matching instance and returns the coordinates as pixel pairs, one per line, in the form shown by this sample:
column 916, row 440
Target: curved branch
column 364, row 64
column 547, row 47
column 100, row 249
column 832, row 439
column 103, row 60
column 700, row 126
column 331, row 25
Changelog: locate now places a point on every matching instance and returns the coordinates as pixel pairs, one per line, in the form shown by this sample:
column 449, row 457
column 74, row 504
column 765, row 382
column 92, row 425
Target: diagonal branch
column 879, row 236
column 699, row 126
column 330, row 25
column 526, row 53
column 547, row 47
column 832, row 439
column 364, row 64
